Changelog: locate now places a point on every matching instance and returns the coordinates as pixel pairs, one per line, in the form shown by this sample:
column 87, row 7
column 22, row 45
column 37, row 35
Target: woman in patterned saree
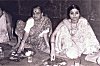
column 35, row 35
column 37, row 31
column 73, row 36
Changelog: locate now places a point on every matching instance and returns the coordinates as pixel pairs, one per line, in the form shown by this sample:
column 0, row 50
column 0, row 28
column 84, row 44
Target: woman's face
column 74, row 15
column 37, row 14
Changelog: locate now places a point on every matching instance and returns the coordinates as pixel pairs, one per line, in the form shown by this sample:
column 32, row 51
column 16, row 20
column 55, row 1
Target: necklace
column 74, row 28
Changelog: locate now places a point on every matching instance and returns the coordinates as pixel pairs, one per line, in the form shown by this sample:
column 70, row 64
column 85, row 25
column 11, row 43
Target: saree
column 39, row 27
column 74, row 42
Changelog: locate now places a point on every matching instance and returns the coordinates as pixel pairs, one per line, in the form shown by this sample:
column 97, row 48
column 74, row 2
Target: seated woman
column 73, row 36
column 37, row 31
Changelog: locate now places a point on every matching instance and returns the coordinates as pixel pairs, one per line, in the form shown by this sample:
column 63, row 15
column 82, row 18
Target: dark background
column 54, row 9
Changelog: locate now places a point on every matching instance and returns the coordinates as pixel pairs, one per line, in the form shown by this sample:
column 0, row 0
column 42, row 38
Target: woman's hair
column 70, row 8
column 37, row 6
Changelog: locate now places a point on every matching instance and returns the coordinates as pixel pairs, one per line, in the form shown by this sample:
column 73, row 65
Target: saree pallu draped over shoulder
column 36, row 30
column 83, row 39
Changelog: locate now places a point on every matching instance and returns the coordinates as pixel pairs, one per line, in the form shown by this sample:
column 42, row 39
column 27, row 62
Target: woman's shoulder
column 83, row 20
column 31, row 18
column 66, row 20
column 63, row 23
column 30, row 21
column 46, row 18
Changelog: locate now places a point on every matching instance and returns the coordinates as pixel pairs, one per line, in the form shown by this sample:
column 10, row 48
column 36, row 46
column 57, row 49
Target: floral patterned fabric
column 38, row 28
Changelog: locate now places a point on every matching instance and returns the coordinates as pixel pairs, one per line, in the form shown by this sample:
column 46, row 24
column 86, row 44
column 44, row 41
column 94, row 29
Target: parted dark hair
column 37, row 6
column 70, row 8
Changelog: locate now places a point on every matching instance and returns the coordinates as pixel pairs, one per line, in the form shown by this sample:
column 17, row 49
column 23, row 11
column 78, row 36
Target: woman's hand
column 21, row 48
column 52, row 55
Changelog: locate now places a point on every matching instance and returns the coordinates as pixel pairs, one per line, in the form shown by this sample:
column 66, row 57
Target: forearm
column 25, row 37
column 46, row 39
column 52, row 49
column 23, row 42
column 53, row 38
column 18, row 43
column 53, row 42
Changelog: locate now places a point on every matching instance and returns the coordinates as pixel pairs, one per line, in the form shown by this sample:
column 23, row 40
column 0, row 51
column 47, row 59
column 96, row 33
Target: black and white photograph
column 49, row 32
